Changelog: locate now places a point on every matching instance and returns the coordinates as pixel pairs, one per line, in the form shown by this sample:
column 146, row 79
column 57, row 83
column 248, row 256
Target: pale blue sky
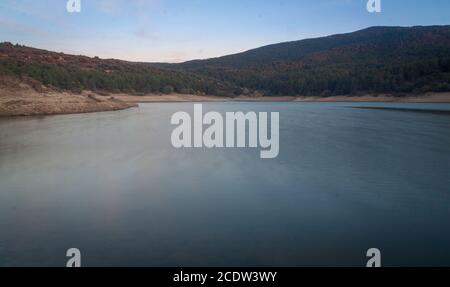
column 178, row 30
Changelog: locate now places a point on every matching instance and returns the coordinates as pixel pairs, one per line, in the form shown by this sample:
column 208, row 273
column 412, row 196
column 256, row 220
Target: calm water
column 111, row 185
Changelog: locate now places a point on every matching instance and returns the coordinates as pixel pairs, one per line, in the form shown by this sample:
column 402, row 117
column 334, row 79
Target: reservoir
column 348, row 177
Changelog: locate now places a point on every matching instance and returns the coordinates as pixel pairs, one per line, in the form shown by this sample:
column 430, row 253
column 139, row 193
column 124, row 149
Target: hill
column 373, row 60
column 376, row 60
column 78, row 73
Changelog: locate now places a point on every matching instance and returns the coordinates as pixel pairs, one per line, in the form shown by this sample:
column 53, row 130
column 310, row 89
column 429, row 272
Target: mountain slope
column 376, row 40
column 377, row 60
column 373, row 60
column 77, row 73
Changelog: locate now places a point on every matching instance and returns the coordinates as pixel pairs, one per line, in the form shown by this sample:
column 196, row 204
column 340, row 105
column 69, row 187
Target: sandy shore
column 151, row 98
column 426, row 98
column 26, row 98
column 21, row 99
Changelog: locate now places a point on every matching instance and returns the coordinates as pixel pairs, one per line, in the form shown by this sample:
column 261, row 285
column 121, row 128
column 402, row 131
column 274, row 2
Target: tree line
column 133, row 81
column 430, row 74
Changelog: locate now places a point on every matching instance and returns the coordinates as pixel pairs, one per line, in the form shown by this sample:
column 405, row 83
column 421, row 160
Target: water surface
column 112, row 185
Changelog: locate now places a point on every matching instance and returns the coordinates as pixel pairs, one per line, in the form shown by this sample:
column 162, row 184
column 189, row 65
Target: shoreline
column 26, row 97
column 19, row 99
column 152, row 98
column 59, row 104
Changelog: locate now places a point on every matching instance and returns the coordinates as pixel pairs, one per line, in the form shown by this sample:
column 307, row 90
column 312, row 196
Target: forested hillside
column 77, row 73
column 393, row 60
column 374, row 60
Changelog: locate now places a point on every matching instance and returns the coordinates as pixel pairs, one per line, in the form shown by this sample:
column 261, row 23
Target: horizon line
column 225, row 55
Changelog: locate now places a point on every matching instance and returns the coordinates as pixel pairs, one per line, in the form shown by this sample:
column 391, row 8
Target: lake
column 111, row 184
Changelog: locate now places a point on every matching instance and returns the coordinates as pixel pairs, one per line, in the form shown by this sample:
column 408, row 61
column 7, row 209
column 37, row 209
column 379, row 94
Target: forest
column 377, row 60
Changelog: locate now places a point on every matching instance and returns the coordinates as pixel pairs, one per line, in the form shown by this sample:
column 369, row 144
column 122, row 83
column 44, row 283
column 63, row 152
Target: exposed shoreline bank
column 19, row 99
column 151, row 98
column 57, row 104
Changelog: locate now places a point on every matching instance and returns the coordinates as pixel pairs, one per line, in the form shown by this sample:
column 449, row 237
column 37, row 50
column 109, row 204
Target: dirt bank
column 426, row 98
column 153, row 98
column 27, row 98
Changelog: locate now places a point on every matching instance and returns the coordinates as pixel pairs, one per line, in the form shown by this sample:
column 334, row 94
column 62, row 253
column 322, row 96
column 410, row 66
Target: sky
column 180, row 30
